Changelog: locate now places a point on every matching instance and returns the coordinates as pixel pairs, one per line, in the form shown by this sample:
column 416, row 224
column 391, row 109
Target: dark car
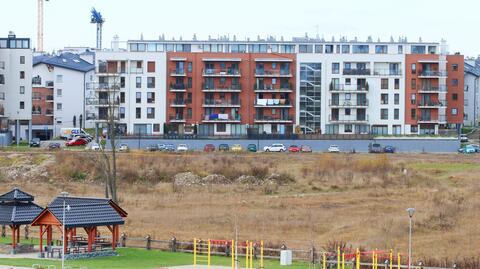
column 152, row 147
column 223, row 147
column 53, row 146
column 170, row 147
column 252, row 148
column 375, row 148
column 389, row 149
column 35, row 142
column 209, row 148
column 294, row 148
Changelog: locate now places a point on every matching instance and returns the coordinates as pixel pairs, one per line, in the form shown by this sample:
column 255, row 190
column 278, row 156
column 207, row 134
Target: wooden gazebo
column 16, row 209
column 83, row 213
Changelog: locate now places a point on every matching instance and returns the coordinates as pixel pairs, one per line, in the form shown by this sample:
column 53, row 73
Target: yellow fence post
column 236, row 254
column 251, row 255
column 343, row 260
column 208, row 258
column 357, row 259
column 324, row 260
column 391, row 259
column 232, row 253
column 247, row 252
column 338, row 257
column 398, row 261
column 195, row 252
column 261, row 254
column 373, row 259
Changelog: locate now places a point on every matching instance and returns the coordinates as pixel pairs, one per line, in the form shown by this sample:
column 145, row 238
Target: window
column 414, row 68
column 122, row 113
column 221, row 127
column 413, row 98
column 189, row 82
column 384, row 99
column 22, row 74
column 138, row 82
column 156, row 127
column 122, row 97
column 455, row 67
column 466, row 88
column 59, row 92
column 338, row 48
column 122, row 82
column 414, row 129
column 384, row 114
column 150, row 112
column 150, row 97
column 318, row 48
column 348, row 81
column 22, row 105
column 189, row 67
column 454, row 111
column 360, row 49
column 384, row 84
column 400, row 49
column 418, row 49
column 305, row 48
column 345, row 48
column 465, row 102
column 189, row 113
column 348, row 128
column 22, row 59
column 396, row 99
column 138, row 97
column 59, row 106
column 151, row 67
column 347, row 112
column 454, row 96
column 413, row 84
column 138, row 112
column 381, row 49
column 150, row 82
column 59, row 79
column 396, row 114
column 22, row 89
column 454, row 82
column 151, row 47
column 328, row 48
column 335, row 68
column 2, row 79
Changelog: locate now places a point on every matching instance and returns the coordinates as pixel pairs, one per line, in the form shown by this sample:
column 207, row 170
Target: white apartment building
column 140, row 99
column 59, row 91
column 472, row 96
column 15, row 86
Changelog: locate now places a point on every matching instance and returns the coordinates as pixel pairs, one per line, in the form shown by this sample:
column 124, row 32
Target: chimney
column 115, row 43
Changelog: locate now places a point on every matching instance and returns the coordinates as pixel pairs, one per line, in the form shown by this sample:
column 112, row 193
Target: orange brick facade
column 42, row 106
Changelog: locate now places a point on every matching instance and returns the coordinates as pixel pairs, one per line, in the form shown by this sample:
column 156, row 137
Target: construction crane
column 40, row 25
column 98, row 19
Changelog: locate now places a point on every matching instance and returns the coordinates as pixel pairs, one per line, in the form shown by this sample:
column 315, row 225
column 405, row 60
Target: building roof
column 17, row 207
column 472, row 69
column 66, row 60
column 83, row 212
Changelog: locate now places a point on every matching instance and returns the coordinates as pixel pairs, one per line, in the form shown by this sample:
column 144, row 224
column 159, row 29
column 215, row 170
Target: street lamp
column 410, row 211
column 64, row 194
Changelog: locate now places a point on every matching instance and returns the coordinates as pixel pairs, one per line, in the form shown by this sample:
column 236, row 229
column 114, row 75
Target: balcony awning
column 273, row 60
column 429, row 61
column 178, row 59
column 221, row 59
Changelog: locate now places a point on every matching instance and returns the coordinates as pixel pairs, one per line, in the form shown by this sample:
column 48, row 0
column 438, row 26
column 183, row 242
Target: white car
column 123, row 147
column 334, row 149
column 182, row 148
column 275, row 148
column 94, row 146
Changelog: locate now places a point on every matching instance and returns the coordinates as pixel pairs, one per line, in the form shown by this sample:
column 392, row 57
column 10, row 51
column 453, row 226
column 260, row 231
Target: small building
column 81, row 215
column 16, row 209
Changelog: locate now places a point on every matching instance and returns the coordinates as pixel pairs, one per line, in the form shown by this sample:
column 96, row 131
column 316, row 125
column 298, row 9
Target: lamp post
column 64, row 195
column 410, row 211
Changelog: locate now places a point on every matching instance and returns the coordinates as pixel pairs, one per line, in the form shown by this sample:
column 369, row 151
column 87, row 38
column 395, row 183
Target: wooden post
column 41, row 239
column 114, row 244
column 18, row 234
column 14, row 244
column 89, row 234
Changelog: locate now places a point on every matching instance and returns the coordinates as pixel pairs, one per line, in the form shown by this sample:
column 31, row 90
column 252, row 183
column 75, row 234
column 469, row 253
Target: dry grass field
column 308, row 199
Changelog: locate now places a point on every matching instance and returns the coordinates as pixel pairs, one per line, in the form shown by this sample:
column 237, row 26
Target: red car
column 294, row 148
column 76, row 142
column 209, row 148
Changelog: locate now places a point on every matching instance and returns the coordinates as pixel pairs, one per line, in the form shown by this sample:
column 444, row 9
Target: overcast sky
column 67, row 22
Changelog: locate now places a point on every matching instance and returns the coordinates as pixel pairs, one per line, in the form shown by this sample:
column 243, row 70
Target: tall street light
column 410, row 211
column 65, row 208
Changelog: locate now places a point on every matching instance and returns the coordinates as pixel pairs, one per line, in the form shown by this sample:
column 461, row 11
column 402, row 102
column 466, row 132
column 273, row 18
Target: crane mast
column 40, row 25
column 98, row 20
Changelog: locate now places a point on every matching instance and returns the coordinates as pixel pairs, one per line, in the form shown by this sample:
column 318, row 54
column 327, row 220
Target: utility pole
column 410, row 211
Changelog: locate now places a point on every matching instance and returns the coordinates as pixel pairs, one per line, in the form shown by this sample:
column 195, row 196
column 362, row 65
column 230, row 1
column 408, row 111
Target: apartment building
column 471, row 92
column 58, row 93
column 131, row 87
column 230, row 93
column 15, row 86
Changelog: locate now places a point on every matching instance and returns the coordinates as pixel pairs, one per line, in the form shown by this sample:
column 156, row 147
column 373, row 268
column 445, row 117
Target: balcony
column 102, row 117
column 221, row 118
column 177, row 72
column 387, row 72
column 103, row 102
column 178, row 118
column 49, row 98
column 348, row 119
column 221, row 88
column 431, row 74
column 49, row 84
column 36, row 81
column 357, row 72
column 362, row 103
column 104, row 87
column 178, row 87
column 221, row 72
column 178, row 103
column 272, row 103
column 432, row 89
column 269, row 88
column 273, row 119
column 349, row 88
column 432, row 104
column 49, row 112
column 220, row 103
column 273, row 73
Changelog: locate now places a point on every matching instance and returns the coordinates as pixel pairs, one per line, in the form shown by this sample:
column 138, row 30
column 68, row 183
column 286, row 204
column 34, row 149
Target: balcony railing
column 49, row 112
column 432, row 73
column 349, row 103
column 102, row 102
column 177, row 118
column 49, row 98
column 221, row 118
column 263, row 118
column 36, row 112
column 272, row 73
column 49, row 84
column 37, row 81
column 287, row 87
column 387, row 72
column 345, row 119
column 221, row 72
column 177, row 72
column 221, row 88
column 273, row 103
column 357, row 72
column 349, row 88
column 220, row 103
column 432, row 89
column 439, row 103
column 174, row 87
column 178, row 102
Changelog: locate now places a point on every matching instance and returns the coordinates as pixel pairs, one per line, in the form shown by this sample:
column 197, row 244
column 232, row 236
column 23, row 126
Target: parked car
column 236, row 148
column 463, row 138
column 334, row 149
column 87, row 137
column 294, row 148
column 123, row 147
column 76, row 142
column 223, row 147
column 161, row 147
column 94, row 146
column 389, row 149
column 305, row 148
column 275, row 148
column 169, row 147
column 476, row 147
column 209, row 148
column 53, row 146
column 375, row 148
column 468, row 149
column 35, row 142
column 182, row 148
column 152, row 147
column 252, row 148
